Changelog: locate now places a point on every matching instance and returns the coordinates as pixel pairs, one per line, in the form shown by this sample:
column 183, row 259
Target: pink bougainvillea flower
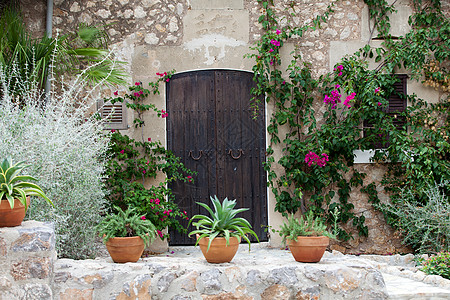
column 137, row 83
column 113, row 130
column 116, row 93
column 348, row 99
column 377, row 90
column 149, row 139
column 284, row 82
column 122, row 151
column 275, row 43
column 141, row 92
column 168, row 79
column 379, row 103
column 143, row 218
column 143, row 171
column 340, row 74
column 313, row 159
column 136, row 94
column 159, row 233
column 278, row 31
column 270, row 50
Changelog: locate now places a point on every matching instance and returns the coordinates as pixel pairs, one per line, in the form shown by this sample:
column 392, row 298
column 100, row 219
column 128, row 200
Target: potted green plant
column 126, row 234
column 307, row 237
column 15, row 192
column 219, row 235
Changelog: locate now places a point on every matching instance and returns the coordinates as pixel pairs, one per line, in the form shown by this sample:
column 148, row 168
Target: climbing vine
column 317, row 141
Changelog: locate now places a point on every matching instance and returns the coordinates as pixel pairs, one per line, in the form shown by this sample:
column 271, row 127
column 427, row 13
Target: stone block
column 28, row 268
column 342, row 280
column 285, row 276
column 309, row 293
column 138, row 289
column 233, row 25
column 210, row 281
column 34, row 239
column 189, row 282
column 276, row 292
column 165, row 281
column 79, row 294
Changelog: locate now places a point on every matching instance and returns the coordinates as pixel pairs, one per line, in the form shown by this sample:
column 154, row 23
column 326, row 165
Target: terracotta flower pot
column 125, row 249
column 309, row 248
column 219, row 252
column 12, row 217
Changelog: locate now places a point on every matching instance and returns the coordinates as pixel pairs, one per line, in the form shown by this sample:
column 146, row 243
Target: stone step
column 401, row 288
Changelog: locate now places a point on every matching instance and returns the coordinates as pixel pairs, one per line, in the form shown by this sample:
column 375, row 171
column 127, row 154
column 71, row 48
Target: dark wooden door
column 210, row 126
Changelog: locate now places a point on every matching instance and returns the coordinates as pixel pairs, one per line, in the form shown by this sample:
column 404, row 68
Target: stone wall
column 27, row 256
column 160, row 35
column 29, row 270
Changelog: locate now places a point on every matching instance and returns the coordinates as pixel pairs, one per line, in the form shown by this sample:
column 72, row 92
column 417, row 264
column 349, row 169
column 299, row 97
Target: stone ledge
column 260, row 274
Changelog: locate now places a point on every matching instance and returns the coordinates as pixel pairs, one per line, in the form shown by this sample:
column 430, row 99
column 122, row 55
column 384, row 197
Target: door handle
column 236, row 157
column 195, row 158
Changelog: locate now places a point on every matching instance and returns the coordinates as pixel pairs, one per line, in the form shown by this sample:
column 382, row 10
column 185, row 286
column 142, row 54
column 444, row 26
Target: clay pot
column 125, row 249
column 309, row 248
column 12, row 217
column 219, row 251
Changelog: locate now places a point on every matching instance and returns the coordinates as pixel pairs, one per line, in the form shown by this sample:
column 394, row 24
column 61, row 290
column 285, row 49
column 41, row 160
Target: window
column 397, row 104
column 114, row 114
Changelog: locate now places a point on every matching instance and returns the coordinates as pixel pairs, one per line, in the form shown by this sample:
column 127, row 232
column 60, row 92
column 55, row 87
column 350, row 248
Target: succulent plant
column 222, row 223
column 14, row 186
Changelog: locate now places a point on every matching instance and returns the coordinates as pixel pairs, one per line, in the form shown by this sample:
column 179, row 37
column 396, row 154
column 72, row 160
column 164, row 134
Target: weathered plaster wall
column 160, row 35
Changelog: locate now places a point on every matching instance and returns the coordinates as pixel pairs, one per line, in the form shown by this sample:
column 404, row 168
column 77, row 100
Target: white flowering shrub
column 65, row 148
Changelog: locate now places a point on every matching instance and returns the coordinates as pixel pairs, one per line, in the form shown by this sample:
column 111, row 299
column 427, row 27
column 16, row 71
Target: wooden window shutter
column 114, row 114
column 397, row 101
column 397, row 104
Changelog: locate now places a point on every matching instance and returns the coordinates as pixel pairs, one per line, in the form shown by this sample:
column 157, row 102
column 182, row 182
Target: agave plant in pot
column 126, row 234
column 15, row 192
column 307, row 237
column 220, row 234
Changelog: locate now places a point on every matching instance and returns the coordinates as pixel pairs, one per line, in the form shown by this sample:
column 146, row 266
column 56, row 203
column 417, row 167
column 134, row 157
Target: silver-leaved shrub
column 65, row 148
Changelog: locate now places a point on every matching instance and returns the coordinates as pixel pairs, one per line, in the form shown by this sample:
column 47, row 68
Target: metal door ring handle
column 236, row 157
column 196, row 158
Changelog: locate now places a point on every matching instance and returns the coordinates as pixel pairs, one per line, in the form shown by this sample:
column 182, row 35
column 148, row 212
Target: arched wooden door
column 210, row 126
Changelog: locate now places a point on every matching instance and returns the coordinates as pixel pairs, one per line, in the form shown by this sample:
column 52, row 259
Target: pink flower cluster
column 335, row 97
column 164, row 114
column 339, row 68
column 275, row 44
column 348, row 99
column 313, row 159
column 138, row 94
column 162, row 75
column 156, row 201
column 189, row 178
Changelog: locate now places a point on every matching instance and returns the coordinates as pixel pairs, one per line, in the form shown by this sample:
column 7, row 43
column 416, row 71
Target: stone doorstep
column 403, row 288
